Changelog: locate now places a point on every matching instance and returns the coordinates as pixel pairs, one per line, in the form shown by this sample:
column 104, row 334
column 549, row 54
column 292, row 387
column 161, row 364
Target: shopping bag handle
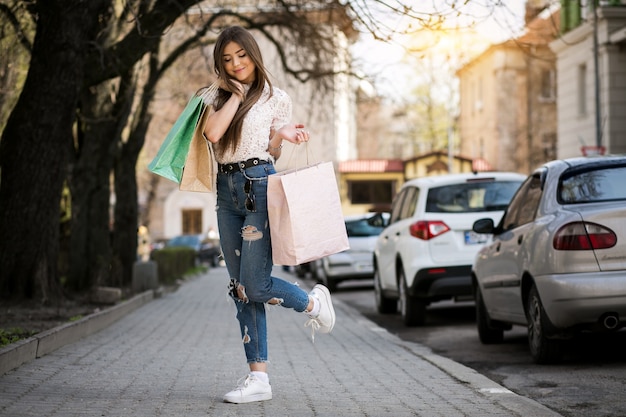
column 205, row 92
column 309, row 154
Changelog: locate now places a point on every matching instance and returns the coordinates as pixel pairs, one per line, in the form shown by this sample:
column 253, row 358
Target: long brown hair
column 241, row 36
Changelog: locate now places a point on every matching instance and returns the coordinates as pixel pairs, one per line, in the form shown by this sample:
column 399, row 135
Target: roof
column 372, row 165
column 543, row 29
column 437, row 154
column 464, row 177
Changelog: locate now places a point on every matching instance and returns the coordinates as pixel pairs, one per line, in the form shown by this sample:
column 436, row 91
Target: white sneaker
column 325, row 320
column 249, row 389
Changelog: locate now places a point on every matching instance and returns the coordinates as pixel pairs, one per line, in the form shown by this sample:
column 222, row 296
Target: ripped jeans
column 246, row 245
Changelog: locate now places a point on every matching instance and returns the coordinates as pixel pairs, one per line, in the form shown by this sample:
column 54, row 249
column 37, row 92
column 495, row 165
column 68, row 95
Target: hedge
column 173, row 263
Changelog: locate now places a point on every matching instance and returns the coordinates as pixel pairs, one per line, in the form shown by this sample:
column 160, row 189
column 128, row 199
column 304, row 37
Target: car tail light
column 428, row 229
column 584, row 236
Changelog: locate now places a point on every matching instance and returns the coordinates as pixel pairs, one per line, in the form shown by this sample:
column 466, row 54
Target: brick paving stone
column 178, row 355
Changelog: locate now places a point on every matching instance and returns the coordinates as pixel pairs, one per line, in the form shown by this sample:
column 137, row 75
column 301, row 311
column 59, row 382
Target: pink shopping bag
column 304, row 208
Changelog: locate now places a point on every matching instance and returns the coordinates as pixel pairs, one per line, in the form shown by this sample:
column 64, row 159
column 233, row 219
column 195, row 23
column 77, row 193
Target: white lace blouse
column 267, row 113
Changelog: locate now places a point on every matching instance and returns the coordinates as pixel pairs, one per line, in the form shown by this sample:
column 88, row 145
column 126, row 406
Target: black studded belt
column 241, row 165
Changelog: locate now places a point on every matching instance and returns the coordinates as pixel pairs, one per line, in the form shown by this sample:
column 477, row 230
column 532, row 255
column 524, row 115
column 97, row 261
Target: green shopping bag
column 170, row 159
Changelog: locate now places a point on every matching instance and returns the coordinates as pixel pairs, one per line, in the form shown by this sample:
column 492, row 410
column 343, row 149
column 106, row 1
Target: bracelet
column 278, row 148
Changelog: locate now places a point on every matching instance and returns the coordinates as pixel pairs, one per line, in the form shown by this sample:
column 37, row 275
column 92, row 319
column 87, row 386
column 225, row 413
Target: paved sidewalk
column 178, row 355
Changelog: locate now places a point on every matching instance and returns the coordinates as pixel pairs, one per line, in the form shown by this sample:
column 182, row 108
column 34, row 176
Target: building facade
column 508, row 99
column 591, row 79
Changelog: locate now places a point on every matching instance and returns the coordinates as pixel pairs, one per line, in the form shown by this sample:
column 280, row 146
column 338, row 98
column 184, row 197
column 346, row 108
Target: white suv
column 425, row 253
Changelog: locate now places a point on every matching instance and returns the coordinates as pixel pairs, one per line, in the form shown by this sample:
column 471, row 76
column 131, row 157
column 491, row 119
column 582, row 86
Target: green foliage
column 174, row 263
column 12, row 335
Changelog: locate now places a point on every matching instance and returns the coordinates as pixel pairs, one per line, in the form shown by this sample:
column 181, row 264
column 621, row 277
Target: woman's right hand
column 219, row 121
column 235, row 87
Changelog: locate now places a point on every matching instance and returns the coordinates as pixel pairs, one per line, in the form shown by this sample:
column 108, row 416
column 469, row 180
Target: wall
column 574, row 50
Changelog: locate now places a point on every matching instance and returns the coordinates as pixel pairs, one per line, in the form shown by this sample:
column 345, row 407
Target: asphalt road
column 590, row 381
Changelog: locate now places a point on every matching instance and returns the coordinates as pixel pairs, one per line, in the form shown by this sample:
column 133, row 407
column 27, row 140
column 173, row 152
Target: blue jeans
column 247, row 249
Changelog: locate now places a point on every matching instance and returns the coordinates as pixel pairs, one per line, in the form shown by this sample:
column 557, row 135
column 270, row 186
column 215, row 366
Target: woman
column 250, row 123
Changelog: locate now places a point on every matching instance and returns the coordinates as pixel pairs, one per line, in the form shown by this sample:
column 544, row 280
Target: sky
column 391, row 67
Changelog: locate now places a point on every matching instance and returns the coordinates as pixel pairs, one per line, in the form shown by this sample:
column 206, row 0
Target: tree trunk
column 126, row 207
column 90, row 253
column 126, row 214
column 36, row 146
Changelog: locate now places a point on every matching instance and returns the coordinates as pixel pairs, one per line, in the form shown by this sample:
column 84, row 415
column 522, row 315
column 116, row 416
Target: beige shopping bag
column 199, row 172
column 306, row 221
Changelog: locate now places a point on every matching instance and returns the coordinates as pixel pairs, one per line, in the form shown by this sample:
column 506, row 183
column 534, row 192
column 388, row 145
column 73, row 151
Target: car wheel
column 323, row 277
column 413, row 309
column 384, row 305
column 486, row 333
column 301, row 270
column 314, row 270
column 542, row 349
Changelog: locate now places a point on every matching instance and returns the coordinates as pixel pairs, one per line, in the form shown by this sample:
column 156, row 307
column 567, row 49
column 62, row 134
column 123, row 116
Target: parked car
column 557, row 262
column 356, row 262
column 301, row 270
column 426, row 252
column 208, row 250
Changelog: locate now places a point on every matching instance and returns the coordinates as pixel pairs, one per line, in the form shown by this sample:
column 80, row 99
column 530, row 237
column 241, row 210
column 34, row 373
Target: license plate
column 473, row 238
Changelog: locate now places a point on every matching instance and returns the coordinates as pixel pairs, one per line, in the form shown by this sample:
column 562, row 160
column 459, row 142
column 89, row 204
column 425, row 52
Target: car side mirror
column 483, row 226
column 378, row 220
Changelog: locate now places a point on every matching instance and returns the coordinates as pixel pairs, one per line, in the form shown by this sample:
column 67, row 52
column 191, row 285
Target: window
column 548, row 145
column 548, row 85
column 192, row 221
column 589, row 186
column 582, row 90
column 404, row 204
column 371, row 192
column 409, row 203
column 365, row 227
column 471, row 197
column 524, row 204
column 397, row 205
column 531, row 201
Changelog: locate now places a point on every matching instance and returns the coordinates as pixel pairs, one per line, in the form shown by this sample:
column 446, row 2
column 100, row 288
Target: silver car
column 557, row 259
column 356, row 262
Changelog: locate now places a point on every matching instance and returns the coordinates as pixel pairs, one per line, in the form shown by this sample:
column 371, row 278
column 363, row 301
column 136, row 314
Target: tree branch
column 14, row 22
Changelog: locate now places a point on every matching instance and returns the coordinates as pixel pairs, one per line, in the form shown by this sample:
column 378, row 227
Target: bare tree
column 80, row 79
column 82, row 114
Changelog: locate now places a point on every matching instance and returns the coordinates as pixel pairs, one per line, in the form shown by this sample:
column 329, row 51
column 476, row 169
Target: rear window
column 471, row 197
column 364, row 227
column 593, row 185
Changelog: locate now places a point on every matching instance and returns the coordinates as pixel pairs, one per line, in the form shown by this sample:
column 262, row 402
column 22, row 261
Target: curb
column 517, row 404
column 41, row 344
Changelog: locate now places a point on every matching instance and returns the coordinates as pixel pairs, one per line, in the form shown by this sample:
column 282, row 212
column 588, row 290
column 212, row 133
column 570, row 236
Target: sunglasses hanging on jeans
column 250, row 203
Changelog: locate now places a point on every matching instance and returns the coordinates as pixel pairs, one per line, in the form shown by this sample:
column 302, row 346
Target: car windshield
column 364, row 227
column 471, row 197
column 187, row 240
column 593, row 185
